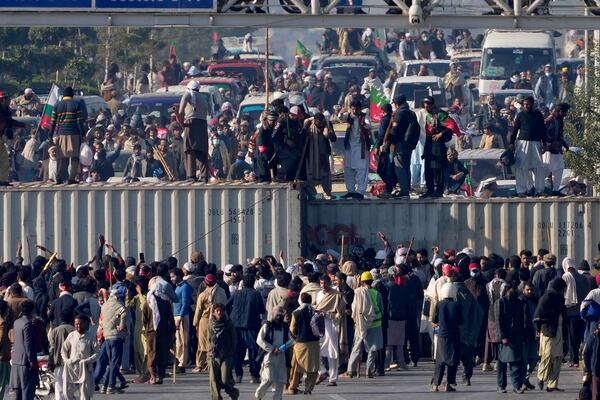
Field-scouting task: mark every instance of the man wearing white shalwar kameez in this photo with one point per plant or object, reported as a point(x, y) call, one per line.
point(357, 143)
point(331, 304)
point(273, 337)
point(79, 352)
point(529, 132)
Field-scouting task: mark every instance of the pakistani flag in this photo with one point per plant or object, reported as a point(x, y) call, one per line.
point(46, 121)
point(304, 53)
point(378, 100)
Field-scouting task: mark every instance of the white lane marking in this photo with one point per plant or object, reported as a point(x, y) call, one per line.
point(336, 397)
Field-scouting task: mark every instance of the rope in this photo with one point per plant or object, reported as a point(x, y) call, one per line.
point(230, 219)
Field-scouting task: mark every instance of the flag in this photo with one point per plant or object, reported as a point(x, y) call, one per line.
point(46, 120)
point(449, 123)
point(378, 100)
point(304, 53)
point(377, 40)
point(468, 184)
point(215, 36)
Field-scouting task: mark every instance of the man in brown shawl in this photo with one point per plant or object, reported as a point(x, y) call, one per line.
point(319, 134)
point(331, 304)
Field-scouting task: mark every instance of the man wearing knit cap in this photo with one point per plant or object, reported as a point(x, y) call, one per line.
point(68, 117)
point(542, 278)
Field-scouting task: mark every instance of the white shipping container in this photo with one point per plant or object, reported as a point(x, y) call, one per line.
point(567, 227)
point(230, 222)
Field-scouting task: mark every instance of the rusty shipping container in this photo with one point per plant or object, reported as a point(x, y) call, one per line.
point(567, 227)
point(230, 222)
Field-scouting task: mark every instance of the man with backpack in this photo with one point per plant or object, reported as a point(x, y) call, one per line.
point(305, 359)
point(400, 140)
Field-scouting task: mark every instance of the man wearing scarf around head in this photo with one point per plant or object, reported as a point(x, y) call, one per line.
point(159, 325)
point(320, 134)
point(331, 305)
point(549, 319)
point(221, 338)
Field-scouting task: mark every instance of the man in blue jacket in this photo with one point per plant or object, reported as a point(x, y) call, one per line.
point(181, 312)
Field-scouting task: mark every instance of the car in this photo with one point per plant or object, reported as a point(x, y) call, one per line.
point(257, 56)
point(571, 64)
point(501, 95)
point(416, 88)
point(210, 93)
point(95, 105)
point(231, 85)
point(315, 62)
point(484, 164)
point(253, 72)
point(254, 104)
point(469, 61)
point(437, 68)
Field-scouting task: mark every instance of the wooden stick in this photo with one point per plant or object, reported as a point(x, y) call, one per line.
point(410, 245)
point(50, 260)
point(342, 252)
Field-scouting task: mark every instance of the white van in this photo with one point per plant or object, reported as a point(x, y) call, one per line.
point(504, 52)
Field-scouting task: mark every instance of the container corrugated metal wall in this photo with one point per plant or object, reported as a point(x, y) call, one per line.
point(505, 226)
point(243, 220)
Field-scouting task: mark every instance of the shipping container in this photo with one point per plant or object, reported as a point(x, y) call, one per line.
point(227, 222)
point(567, 227)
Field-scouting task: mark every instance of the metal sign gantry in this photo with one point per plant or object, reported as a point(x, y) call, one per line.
point(520, 14)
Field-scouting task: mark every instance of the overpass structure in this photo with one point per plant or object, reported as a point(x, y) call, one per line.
point(500, 14)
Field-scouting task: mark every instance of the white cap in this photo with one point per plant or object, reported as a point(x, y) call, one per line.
point(29, 91)
point(130, 270)
point(294, 110)
point(189, 267)
point(193, 85)
point(227, 268)
point(380, 255)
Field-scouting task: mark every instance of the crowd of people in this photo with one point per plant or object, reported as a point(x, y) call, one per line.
point(291, 142)
point(310, 320)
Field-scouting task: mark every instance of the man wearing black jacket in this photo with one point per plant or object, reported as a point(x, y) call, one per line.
point(401, 139)
point(526, 140)
point(246, 305)
point(7, 123)
point(434, 152)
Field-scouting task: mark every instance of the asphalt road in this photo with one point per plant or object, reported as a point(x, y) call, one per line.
point(411, 384)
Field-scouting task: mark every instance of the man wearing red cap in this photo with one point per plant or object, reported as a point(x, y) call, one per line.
point(7, 123)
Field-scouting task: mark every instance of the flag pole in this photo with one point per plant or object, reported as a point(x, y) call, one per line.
point(267, 67)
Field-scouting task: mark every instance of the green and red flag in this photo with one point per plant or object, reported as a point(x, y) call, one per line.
point(303, 53)
point(468, 183)
point(378, 42)
point(46, 120)
point(378, 100)
point(446, 121)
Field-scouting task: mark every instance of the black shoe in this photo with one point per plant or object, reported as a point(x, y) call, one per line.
point(359, 196)
point(123, 385)
point(348, 195)
point(529, 386)
point(554, 389)
point(436, 195)
point(426, 195)
point(259, 10)
point(501, 390)
point(249, 11)
point(519, 391)
point(541, 385)
point(466, 381)
point(180, 370)
point(557, 194)
point(5, 184)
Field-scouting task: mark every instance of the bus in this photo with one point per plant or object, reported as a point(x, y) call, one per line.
point(504, 52)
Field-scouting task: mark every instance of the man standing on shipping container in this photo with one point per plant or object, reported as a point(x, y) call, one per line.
point(526, 140)
point(68, 117)
point(7, 123)
point(194, 110)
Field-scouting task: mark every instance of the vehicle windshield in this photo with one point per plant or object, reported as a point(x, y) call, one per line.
point(418, 91)
point(470, 67)
point(160, 108)
point(501, 63)
point(254, 111)
point(249, 73)
point(341, 74)
point(433, 69)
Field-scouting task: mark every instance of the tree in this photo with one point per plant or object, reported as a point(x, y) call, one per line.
point(582, 127)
